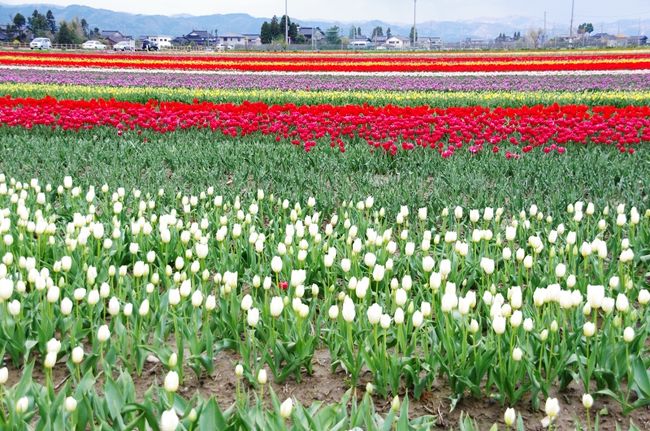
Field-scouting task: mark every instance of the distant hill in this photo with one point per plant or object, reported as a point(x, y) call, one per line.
point(136, 24)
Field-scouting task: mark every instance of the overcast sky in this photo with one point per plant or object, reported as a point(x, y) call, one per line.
point(386, 10)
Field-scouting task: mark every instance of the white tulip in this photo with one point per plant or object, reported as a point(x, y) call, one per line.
point(348, 312)
point(103, 334)
point(171, 381)
point(552, 407)
point(253, 317)
point(70, 404)
point(277, 305)
point(169, 420)
point(499, 325)
point(399, 316)
point(262, 378)
point(374, 314)
point(286, 408)
point(22, 405)
point(417, 319)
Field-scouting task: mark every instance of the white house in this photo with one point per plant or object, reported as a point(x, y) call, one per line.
point(398, 42)
point(253, 39)
point(162, 41)
point(232, 39)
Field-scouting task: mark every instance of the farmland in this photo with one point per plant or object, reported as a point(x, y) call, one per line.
point(325, 241)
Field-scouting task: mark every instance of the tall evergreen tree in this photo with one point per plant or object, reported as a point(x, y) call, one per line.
point(265, 33)
point(51, 21)
point(85, 28)
point(276, 31)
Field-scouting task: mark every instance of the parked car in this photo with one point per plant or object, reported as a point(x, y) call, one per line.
point(41, 43)
point(93, 44)
point(148, 45)
point(125, 45)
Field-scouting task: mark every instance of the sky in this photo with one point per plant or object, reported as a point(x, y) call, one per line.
point(397, 11)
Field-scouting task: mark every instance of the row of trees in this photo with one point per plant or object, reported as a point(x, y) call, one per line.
point(275, 31)
point(45, 25)
point(378, 31)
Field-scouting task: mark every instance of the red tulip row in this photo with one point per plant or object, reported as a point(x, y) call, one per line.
point(509, 131)
point(337, 63)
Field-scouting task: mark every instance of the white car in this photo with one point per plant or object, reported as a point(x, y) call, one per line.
point(125, 45)
point(41, 43)
point(93, 44)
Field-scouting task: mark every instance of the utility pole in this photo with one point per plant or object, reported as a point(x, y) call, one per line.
point(573, 3)
point(286, 23)
point(415, 32)
point(544, 37)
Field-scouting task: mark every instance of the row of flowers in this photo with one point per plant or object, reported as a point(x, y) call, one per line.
point(320, 63)
point(324, 82)
point(504, 305)
point(333, 97)
point(507, 131)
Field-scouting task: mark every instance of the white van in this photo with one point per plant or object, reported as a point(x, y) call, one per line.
point(41, 43)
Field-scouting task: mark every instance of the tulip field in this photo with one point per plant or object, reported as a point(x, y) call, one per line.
point(325, 241)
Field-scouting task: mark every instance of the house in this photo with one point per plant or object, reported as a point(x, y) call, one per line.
point(398, 42)
point(162, 41)
point(232, 39)
point(253, 39)
point(618, 41)
point(196, 37)
point(360, 42)
point(475, 43)
point(114, 36)
point(430, 43)
point(309, 32)
point(379, 40)
point(637, 40)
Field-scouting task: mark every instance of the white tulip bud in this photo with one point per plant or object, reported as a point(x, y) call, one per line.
point(171, 381)
point(103, 334)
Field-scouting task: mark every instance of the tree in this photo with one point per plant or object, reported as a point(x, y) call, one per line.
point(389, 34)
point(283, 27)
point(586, 27)
point(265, 33)
point(17, 29)
point(332, 35)
point(294, 37)
point(85, 27)
point(51, 22)
point(377, 32)
point(276, 31)
point(65, 36)
point(413, 36)
point(38, 24)
point(70, 33)
point(19, 22)
point(352, 34)
point(359, 33)
point(535, 37)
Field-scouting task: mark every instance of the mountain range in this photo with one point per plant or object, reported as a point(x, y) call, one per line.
point(450, 31)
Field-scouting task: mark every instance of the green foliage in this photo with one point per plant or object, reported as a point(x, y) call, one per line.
point(190, 161)
point(38, 24)
point(586, 27)
point(332, 36)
